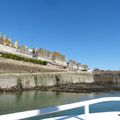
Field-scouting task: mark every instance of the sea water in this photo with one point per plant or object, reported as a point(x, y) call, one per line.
point(30, 100)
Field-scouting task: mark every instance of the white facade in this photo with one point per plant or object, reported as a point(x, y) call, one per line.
point(8, 49)
point(79, 68)
point(63, 63)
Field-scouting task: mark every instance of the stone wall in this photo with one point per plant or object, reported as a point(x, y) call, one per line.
point(14, 66)
point(107, 77)
point(8, 81)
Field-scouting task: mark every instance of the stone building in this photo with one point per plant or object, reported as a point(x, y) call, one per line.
point(49, 55)
point(16, 44)
point(24, 49)
point(53, 57)
point(8, 42)
point(85, 67)
point(72, 64)
point(44, 53)
point(2, 39)
point(35, 53)
point(59, 58)
point(79, 67)
point(5, 41)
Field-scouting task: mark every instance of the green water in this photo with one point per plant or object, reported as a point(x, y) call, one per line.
point(14, 102)
point(29, 100)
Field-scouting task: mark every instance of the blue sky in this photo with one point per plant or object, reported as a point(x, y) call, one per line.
point(85, 30)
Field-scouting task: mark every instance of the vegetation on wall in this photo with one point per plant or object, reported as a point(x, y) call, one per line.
point(19, 84)
point(20, 58)
point(35, 79)
point(57, 80)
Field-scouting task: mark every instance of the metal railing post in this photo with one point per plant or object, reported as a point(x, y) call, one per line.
point(86, 110)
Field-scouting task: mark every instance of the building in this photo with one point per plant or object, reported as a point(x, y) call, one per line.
point(42, 54)
point(54, 58)
point(85, 67)
point(8, 42)
point(59, 59)
point(79, 67)
point(5, 41)
point(72, 65)
point(2, 39)
point(16, 45)
point(24, 49)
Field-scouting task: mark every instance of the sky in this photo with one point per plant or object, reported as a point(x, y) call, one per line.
point(87, 31)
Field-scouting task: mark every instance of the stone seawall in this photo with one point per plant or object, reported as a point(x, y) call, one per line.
point(102, 77)
point(29, 81)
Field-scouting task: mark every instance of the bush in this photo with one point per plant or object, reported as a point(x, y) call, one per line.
point(20, 58)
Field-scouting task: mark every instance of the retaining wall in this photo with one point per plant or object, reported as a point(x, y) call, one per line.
point(43, 79)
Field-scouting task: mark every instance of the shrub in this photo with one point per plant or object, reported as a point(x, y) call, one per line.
point(20, 58)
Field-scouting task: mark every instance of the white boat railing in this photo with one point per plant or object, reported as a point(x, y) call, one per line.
point(50, 110)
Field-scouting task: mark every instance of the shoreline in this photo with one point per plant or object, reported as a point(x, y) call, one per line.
point(68, 88)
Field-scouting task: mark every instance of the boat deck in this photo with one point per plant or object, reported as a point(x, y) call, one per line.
point(92, 116)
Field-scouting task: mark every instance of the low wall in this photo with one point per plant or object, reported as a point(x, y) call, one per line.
point(8, 49)
point(8, 81)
